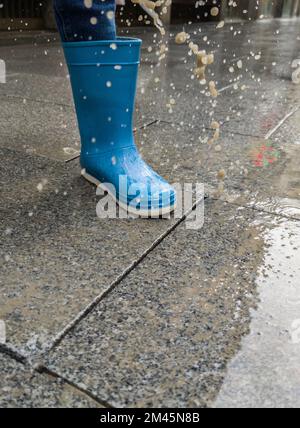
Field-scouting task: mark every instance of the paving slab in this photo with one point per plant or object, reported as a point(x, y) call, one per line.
point(36, 68)
point(265, 92)
point(37, 92)
point(50, 130)
point(254, 111)
point(37, 113)
point(56, 254)
point(39, 128)
point(165, 335)
point(22, 388)
point(259, 173)
point(36, 102)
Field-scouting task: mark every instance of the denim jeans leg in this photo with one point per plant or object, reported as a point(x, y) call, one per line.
point(84, 20)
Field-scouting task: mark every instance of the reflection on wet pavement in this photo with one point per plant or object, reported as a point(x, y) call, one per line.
point(266, 371)
point(285, 184)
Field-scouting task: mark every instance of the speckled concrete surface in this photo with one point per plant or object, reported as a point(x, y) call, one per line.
point(20, 387)
point(48, 130)
point(165, 335)
point(56, 254)
point(210, 317)
point(264, 92)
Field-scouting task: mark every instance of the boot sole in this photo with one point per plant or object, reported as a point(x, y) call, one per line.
point(139, 213)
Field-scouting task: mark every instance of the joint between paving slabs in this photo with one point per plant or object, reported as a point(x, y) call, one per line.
point(37, 365)
point(13, 353)
point(38, 101)
point(46, 371)
point(207, 128)
point(37, 360)
point(252, 207)
point(25, 361)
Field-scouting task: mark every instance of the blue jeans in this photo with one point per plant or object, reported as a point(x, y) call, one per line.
point(84, 20)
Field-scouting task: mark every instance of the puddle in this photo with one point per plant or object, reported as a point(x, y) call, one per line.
point(272, 183)
point(283, 206)
point(266, 371)
point(286, 184)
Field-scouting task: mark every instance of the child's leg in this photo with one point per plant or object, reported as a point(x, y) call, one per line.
point(104, 77)
point(83, 20)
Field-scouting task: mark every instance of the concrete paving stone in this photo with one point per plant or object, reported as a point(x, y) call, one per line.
point(36, 101)
point(255, 110)
point(246, 116)
point(22, 388)
point(240, 44)
point(269, 93)
point(36, 70)
point(39, 128)
point(56, 254)
point(165, 335)
point(51, 130)
point(259, 173)
point(11, 38)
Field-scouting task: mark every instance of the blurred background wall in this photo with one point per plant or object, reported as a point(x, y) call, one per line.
point(37, 14)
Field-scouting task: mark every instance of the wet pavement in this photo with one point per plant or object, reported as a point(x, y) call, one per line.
point(134, 313)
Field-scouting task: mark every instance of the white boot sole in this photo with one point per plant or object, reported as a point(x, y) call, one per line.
point(139, 213)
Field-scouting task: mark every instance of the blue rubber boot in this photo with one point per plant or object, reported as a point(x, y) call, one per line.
point(104, 77)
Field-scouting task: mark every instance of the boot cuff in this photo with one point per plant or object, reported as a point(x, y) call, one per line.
point(122, 51)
